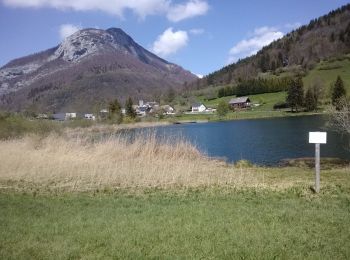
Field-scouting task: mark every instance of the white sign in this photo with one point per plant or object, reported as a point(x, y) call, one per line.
point(317, 137)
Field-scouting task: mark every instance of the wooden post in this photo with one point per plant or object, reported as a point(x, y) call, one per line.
point(317, 168)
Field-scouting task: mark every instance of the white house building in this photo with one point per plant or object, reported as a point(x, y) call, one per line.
point(168, 110)
point(198, 107)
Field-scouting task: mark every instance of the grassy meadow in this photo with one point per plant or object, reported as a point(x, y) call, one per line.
point(327, 72)
point(264, 109)
point(191, 224)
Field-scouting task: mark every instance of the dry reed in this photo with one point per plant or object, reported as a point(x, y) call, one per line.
point(56, 162)
point(81, 163)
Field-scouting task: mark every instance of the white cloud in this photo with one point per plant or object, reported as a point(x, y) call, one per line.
point(261, 37)
point(199, 75)
point(196, 31)
point(67, 30)
point(169, 42)
point(190, 9)
point(142, 8)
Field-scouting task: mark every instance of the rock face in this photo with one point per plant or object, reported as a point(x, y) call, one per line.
point(88, 69)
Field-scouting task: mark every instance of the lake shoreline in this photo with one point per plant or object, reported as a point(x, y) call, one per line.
point(301, 114)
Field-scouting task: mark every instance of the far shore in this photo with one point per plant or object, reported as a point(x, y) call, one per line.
point(110, 128)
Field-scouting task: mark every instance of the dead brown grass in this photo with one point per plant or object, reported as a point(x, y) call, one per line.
point(79, 164)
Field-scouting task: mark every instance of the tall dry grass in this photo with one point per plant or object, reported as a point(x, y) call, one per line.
point(82, 163)
point(56, 162)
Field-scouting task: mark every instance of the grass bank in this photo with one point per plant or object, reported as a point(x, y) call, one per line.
point(193, 224)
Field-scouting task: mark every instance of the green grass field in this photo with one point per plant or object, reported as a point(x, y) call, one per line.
point(194, 224)
point(264, 110)
point(266, 100)
point(327, 73)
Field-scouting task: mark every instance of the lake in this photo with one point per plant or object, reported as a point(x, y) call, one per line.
point(261, 141)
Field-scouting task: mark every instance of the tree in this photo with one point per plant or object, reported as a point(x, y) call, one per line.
point(114, 106)
point(295, 94)
point(318, 89)
point(310, 100)
point(115, 111)
point(129, 110)
point(340, 118)
point(170, 96)
point(222, 108)
point(338, 93)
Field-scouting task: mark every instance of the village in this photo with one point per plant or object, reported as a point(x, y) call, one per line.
point(143, 109)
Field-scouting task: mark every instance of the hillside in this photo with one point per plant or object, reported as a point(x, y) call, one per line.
point(323, 38)
point(88, 69)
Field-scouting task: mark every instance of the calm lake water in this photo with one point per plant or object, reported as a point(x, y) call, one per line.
point(261, 141)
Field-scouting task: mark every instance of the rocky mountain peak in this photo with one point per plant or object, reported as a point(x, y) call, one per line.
point(89, 66)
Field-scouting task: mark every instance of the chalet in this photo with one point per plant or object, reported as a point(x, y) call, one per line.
point(198, 107)
point(241, 102)
point(168, 110)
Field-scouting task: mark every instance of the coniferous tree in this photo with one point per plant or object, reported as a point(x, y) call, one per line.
point(310, 100)
point(295, 94)
point(129, 110)
point(115, 111)
point(114, 106)
point(338, 93)
point(170, 95)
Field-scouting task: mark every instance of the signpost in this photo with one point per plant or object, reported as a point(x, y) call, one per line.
point(317, 138)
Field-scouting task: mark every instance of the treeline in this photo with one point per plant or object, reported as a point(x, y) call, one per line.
point(255, 86)
point(323, 38)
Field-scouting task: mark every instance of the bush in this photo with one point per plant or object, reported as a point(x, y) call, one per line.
point(280, 105)
point(13, 125)
point(243, 164)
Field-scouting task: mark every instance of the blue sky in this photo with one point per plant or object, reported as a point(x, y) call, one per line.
point(200, 35)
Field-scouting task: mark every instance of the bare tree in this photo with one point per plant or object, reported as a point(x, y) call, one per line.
point(340, 119)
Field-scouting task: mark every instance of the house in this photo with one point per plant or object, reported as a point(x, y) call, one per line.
point(198, 107)
point(71, 115)
point(63, 116)
point(59, 116)
point(89, 116)
point(142, 111)
point(168, 110)
point(240, 102)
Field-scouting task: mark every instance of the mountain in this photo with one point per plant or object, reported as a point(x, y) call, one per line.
point(296, 53)
point(88, 69)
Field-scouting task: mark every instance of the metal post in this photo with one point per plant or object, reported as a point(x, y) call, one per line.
point(317, 168)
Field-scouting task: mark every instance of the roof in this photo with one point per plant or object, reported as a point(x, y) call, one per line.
point(59, 116)
point(168, 108)
point(197, 104)
point(239, 100)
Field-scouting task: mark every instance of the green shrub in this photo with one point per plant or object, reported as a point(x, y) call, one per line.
point(15, 125)
point(243, 163)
